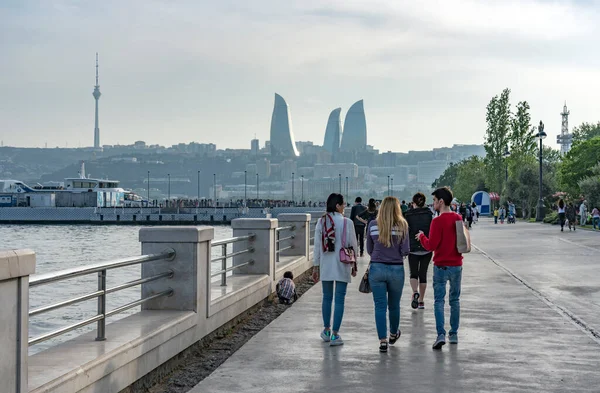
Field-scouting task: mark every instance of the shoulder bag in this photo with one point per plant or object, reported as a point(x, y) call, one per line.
point(463, 244)
point(365, 286)
point(347, 254)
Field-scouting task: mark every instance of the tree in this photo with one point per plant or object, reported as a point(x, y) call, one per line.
point(522, 135)
point(578, 163)
point(470, 178)
point(447, 178)
point(585, 131)
point(498, 118)
point(590, 187)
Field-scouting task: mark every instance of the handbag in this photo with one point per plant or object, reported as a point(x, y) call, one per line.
point(365, 286)
point(347, 254)
point(463, 244)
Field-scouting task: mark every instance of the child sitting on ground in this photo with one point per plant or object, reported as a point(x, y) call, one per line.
point(286, 289)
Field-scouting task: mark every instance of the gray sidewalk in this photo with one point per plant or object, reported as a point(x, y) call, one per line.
point(510, 341)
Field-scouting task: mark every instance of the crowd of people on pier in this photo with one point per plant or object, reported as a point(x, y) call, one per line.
point(392, 230)
point(248, 203)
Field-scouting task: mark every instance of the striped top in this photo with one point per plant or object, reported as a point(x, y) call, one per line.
point(393, 255)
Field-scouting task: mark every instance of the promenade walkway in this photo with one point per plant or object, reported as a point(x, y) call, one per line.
point(529, 323)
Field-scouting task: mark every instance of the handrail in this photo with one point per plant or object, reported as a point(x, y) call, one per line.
point(233, 240)
point(250, 262)
point(45, 278)
point(286, 228)
point(233, 254)
point(97, 318)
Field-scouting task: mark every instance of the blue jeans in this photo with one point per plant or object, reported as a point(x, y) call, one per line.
point(440, 276)
point(387, 282)
point(340, 297)
point(596, 222)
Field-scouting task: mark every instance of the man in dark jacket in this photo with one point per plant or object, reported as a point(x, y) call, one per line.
point(359, 227)
point(419, 219)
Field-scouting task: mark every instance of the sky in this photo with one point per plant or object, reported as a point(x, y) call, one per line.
point(206, 71)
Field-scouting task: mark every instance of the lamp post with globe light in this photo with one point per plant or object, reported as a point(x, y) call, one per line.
point(540, 205)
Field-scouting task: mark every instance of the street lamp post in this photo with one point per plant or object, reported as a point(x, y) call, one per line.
point(148, 188)
point(340, 176)
point(257, 186)
point(198, 204)
point(392, 187)
point(245, 186)
point(506, 154)
point(540, 205)
point(293, 186)
point(215, 190)
point(347, 195)
point(388, 185)
point(169, 188)
point(302, 187)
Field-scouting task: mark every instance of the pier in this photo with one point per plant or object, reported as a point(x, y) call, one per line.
point(529, 317)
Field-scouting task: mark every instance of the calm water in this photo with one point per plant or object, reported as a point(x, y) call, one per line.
point(63, 246)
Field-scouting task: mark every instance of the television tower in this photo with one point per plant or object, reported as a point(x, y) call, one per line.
point(96, 95)
point(565, 139)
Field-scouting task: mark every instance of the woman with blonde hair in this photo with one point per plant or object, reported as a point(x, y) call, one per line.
point(387, 244)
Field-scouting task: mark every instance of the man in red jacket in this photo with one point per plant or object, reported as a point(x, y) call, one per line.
point(447, 263)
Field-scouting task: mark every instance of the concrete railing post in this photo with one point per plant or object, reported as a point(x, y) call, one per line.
point(15, 268)
point(191, 267)
point(301, 240)
point(263, 244)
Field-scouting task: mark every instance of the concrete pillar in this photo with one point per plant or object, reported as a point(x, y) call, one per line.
point(263, 244)
point(191, 267)
point(301, 240)
point(15, 268)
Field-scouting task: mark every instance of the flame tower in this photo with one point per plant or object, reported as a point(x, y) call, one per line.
point(96, 95)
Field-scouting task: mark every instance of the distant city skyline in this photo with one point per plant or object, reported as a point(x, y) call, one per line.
point(425, 70)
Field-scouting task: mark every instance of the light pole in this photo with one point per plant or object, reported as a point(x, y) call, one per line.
point(388, 185)
point(293, 186)
point(540, 205)
point(340, 176)
point(148, 188)
point(392, 187)
point(245, 186)
point(302, 187)
point(169, 192)
point(257, 186)
point(198, 204)
point(214, 189)
point(347, 196)
point(506, 154)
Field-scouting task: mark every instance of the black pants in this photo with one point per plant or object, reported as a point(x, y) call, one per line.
point(360, 237)
point(418, 266)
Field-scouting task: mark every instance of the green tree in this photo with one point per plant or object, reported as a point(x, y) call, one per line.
point(447, 178)
point(498, 118)
point(577, 164)
point(585, 131)
point(470, 178)
point(522, 135)
point(590, 187)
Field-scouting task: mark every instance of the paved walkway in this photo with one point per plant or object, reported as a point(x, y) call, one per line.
point(514, 336)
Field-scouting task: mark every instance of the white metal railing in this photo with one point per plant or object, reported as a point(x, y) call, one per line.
point(225, 256)
point(102, 313)
point(279, 240)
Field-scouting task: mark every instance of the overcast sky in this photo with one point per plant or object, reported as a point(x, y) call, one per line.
point(206, 71)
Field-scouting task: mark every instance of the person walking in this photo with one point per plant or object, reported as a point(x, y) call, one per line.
point(561, 214)
point(596, 218)
point(447, 264)
point(328, 268)
point(496, 213)
point(359, 226)
point(582, 214)
point(419, 219)
point(571, 216)
point(502, 213)
point(404, 207)
point(370, 214)
point(387, 244)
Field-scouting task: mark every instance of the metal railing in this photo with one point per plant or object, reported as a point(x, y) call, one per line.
point(225, 256)
point(278, 240)
point(101, 269)
point(313, 228)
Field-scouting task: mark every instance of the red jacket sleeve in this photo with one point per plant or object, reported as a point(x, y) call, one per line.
point(435, 236)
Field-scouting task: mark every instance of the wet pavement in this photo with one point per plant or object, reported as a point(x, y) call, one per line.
point(529, 312)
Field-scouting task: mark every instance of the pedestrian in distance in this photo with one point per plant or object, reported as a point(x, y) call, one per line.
point(561, 214)
point(496, 214)
point(502, 213)
point(370, 214)
point(596, 218)
point(571, 216)
point(582, 214)
point(359, 226)
point(447, 261)
point(328, 267)
point(387, 244)
point(404, 207)
point(419, 219)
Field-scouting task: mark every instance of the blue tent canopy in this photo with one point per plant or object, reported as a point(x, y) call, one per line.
point(482, 200)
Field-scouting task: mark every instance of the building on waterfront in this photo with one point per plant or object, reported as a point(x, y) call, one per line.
point(428, 171)
point(282, 135)
point(96, 95)
point(254, 147)
point(333, 132)
point(354, 137)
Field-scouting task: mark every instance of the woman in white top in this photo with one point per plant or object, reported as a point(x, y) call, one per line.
point(561, 214)
point(334, 274)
